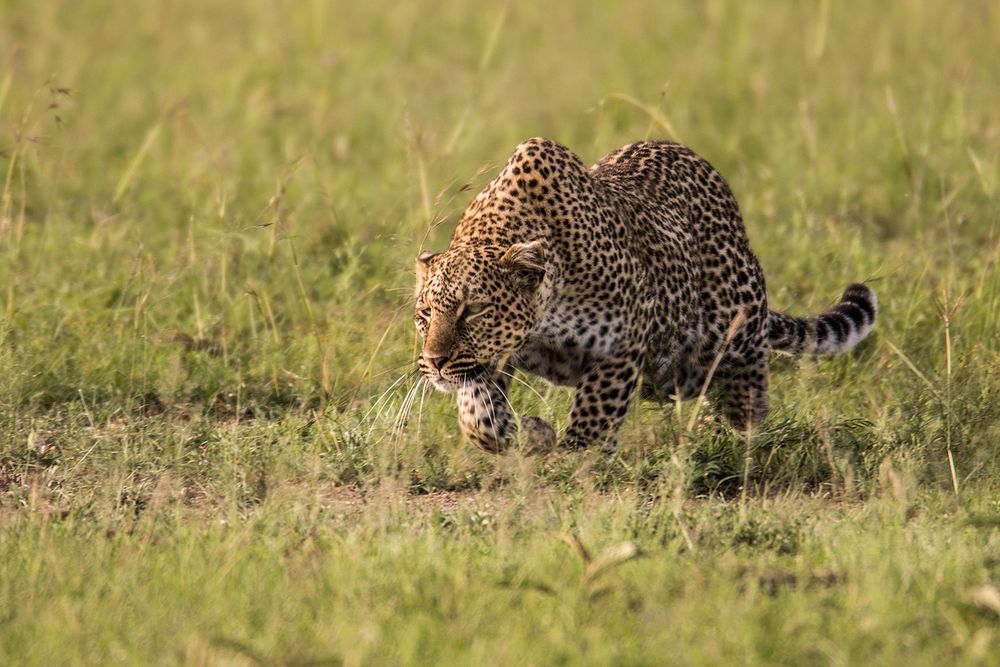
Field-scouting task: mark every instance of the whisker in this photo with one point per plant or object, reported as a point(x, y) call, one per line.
point(421, 383)
point(385, 395)
point(510, 406)
point(394, 425)
point(395, 383)
point(400, 422)
point(530, 388)
point(392, 369)
point(384, 403)
point(475, 406)
point(491, 411)
point(413, 399)
point(503, 394)
point(420, 409)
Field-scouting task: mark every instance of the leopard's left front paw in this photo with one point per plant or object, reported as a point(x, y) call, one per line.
point(537, 435)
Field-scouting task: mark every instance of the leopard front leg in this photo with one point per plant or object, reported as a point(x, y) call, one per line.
point(484, 414)
point(601, 400)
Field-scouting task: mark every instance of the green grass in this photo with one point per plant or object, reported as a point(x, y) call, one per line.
point(208, 218)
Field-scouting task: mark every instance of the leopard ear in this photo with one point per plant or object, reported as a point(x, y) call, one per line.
point(526, 263)
point(424, 260)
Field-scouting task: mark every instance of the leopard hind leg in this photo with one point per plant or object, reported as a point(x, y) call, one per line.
point(739, 393)
point(674, 375)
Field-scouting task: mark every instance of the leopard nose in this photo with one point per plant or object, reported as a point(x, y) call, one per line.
point(437, 362)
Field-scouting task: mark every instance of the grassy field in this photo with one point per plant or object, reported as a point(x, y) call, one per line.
point(208, 221)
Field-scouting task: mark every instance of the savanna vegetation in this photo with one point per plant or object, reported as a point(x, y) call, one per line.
point(208, 219)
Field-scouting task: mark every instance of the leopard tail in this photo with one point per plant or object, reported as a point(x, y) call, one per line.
point(832, 332)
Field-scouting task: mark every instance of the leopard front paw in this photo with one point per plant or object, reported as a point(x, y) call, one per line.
point(537, 435)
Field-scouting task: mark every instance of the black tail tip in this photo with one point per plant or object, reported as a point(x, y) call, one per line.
point(862, 296)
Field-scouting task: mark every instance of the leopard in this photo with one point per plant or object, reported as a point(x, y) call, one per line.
point(633, 277)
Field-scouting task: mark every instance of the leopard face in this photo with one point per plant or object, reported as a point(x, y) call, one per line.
point(475, 307)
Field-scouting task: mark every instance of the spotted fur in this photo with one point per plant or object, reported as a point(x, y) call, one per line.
point(638, 267)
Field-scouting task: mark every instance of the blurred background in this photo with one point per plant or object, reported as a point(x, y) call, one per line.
point(176, 167)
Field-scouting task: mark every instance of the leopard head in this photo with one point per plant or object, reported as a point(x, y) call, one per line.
point(475, 307)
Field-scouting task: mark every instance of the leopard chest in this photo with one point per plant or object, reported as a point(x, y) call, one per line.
point(564, 344)
point(559, 362)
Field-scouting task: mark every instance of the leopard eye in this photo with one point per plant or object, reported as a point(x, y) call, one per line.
point(424, 314)
point(474, 310)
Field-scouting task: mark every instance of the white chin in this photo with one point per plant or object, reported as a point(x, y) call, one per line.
point(446, 386)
